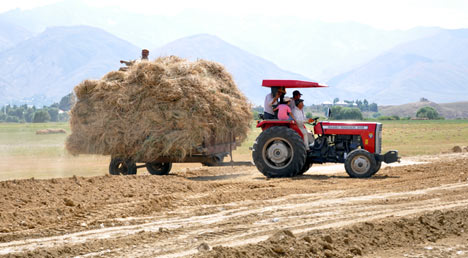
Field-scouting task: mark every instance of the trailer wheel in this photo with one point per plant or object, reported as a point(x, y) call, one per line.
point(279, 152)
point(378, 164)
point(119, 166)
point(360, 164)
point(155, 168)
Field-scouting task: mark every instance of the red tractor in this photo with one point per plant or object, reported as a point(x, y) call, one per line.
point(279, 151)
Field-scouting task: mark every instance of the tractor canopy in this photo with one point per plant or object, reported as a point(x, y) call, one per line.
point(292, 84)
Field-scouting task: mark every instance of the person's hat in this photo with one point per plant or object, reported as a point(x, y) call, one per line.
point(145, 51)
point(296, 92)
point(298, 101)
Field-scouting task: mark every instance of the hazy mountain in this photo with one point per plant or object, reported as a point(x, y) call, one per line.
point(48, 66)
point(448, 110)
point(247, 69)
point(435, 67)
point(11, 34)
point(316, 49)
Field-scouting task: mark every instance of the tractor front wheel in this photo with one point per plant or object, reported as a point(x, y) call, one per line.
point(119, 166)
point(378, 164)
point(360, 164)
point(279, 152)
point(305, 168)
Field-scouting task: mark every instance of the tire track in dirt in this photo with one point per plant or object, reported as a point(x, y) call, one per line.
point(246, 224)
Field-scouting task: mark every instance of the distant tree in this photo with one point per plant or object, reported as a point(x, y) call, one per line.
point(259, 109)
point(41, 116)
point(373, 107)
point(29, 115)
point(340, 113)
point(67, 102)
point(365, 105)
point(309, 115)
point(427, 112)
point(255, 114)
point(359, 104)
point(53, 113)
point(63, 117)
point(12, 119)
point(423, 100)
point(336, 100)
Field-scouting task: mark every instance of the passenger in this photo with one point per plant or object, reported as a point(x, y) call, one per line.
point(271, 99)
point(284, 111)
point(301, 120)
point(296, 96)
point(282, 93)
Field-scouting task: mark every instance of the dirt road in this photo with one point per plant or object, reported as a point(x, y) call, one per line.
point(194, 209)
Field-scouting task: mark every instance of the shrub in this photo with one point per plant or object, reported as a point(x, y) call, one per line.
point(427, 112)
point(41, 116)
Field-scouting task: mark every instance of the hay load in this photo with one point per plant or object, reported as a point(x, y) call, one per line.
point(165, 108)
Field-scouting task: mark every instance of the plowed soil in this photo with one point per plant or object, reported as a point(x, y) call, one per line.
point(419, 209)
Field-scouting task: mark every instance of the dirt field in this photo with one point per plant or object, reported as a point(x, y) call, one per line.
point(418, 209)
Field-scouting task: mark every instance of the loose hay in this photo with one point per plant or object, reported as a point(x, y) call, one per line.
point(51, 131)
point(165, 108)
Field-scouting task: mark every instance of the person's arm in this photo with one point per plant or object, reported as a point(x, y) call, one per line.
point(291, 114)
point(127, 63)
point(275, 99)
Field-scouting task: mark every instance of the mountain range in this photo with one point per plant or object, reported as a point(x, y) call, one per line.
point(318, 50)
point(435, 67)
point(47, 66)
point(45, 51)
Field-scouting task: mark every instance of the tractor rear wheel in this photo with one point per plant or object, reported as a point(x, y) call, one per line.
point(360, 164)
point(279, 152)
point(155, 168)
point(119, 166)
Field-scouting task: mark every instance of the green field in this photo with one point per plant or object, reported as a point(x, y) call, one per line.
point(23, 154)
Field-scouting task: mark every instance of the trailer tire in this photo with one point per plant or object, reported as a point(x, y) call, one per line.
point(360, 164)
point(279, 151)
point(155, 168)
point(119, 166)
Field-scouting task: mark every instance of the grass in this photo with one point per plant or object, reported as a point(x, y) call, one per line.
point(23, 154)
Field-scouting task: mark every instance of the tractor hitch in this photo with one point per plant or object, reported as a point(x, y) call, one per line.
point(389, 157)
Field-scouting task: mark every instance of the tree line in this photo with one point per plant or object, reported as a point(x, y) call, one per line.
point(57, 112)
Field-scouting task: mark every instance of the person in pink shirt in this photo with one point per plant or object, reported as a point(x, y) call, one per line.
point(284, 111)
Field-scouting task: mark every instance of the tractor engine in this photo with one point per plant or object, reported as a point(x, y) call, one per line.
point(334, 148)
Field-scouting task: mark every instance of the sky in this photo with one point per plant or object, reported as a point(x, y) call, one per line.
point(383, 14)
